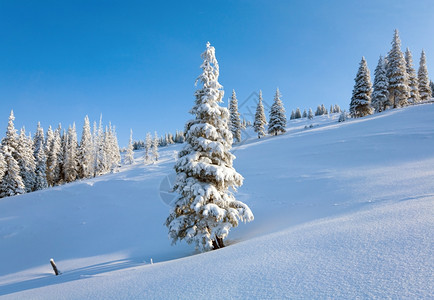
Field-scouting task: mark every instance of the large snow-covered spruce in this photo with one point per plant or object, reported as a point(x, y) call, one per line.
point(206, 209)
point(360, 105)
point(399, 91)
point(277, 122)
point(380, 96)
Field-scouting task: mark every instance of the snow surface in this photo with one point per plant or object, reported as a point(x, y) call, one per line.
point(342, 210)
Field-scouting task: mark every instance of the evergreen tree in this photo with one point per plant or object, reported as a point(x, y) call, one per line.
point(113, 149)
point(297, 113)
point(235, 123)
point(260, 119)
point(397, 74)
point(361, 100)
point(100, 165)
point(292, 117)
point(380, 96)
point(277, 121)
point(431, 85)
point(11, 138)
point(2, 167)
point(304, 114)
point(337, 109)
point(54, 159)
point(40, 160)
point(331, 109)
point(323, 110)
point(205, 209)
point(26, 161)
point(48, 141)
point(424, 88)
point(155, 147)
point(319, 111)
point(85, 152)
point(310, 114)
point(11, 183)
point(129, 155)
point(70, 168)
point(148, 145)
point(413, 82)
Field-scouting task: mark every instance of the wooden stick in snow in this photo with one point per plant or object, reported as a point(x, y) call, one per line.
point(53, 264)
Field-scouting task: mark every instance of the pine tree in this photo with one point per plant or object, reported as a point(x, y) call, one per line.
point(337, 109)
point(331, 109)
point(129, 155)
point(310, 114)
point(235, 123)
point(54, 159)
point(71, 162)
point(413, 82)
point(318, 111)
point(11, 183)
point(11, 138)
point(40, 160)
point(205, 209)
point(260, 119)
point(360, 105)
point(85, 152)
point(380, 95)
point(26, 161)
point(113, 149)
point(100, 165)
point(431, 85)
point(292, 117)
point(304, 114)
point(323, 110)
point(297, 113)
point(424, 88)
point(155, 147)
point(277, 121)
point(2, 167)
point(148, 145)
point(397, 74)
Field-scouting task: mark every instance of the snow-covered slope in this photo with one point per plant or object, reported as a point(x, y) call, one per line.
point(342, 210)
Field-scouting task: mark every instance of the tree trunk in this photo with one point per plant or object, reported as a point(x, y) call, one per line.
point(217, 243)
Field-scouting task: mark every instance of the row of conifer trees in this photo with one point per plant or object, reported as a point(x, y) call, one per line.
point(396, 83)
point(29, 164)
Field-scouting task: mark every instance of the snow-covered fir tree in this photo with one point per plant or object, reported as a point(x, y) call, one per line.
point(431, 85)
point(100, 161)
point(380, 95)
point(324, 109)
point(413, 83)
point(85, 152)
point(260, 119)
point(277, 122)
point(343, 116)
point(11, 183)
point(310, 114)
point(48, 140)
point(54, 159)
point(422, 74)
point(292, 117)
point(26, 160)
point(114, 153)
point(235, 122)
point(304, 114)
point(11, 138)
point(397, 74)
point(129, 155)
point(336, 109)
point(40, 159)
point(360, 105)
point(148, 145)
point(206, 209)
point(297, 113)
point(70, 164)
point(2, 166)
point(154, 147)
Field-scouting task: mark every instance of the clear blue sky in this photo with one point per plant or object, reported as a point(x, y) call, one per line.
point(136, 61)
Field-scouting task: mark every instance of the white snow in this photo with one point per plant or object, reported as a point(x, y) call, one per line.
point(342, 210)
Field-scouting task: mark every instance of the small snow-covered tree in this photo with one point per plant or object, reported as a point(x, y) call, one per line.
point(85, 152)
point(292, 117)
point(380, 95)
point(11, 183)
point(360, 105)
point(397, 74)
point(11, 138)
point(206, 209)
point(297, 113)
point(154, 147)
point(40, 160)
point(129, 155)
point(70, 167)
point(260, 119)
point(277, 122)
point(324, 109)
point(54, 159)
point(235, 122)
point(304, 114)
point(343, 116)
point(310, 114)
point(337, 109)
point(148, 145)
point(26, 160)
point(431, 85)
point(413, 83)
point(424, 88)
point(113, 152)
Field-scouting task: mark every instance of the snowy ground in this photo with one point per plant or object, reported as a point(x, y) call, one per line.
point(342, 210)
